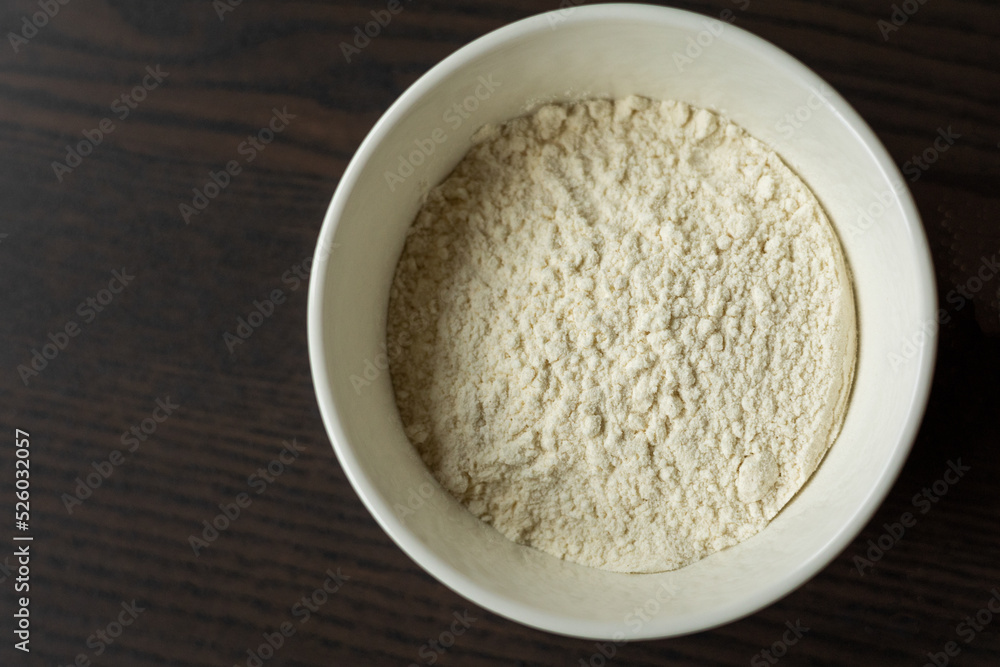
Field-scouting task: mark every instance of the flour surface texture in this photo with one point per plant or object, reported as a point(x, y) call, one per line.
point(641, 334)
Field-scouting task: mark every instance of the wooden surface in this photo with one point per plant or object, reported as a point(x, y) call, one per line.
point(161, 338)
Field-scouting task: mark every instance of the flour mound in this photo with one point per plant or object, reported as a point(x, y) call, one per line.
point(642, 333)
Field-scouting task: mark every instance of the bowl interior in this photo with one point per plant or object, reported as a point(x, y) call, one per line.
point(612, 51)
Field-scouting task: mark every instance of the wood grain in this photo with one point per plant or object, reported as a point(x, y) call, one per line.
point(163, 336)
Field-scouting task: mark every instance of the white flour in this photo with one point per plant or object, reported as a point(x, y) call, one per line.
point(644, 339)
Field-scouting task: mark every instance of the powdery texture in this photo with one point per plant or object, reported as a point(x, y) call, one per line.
point(643, 338)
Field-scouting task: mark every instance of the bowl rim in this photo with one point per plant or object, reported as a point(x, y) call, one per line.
point(509, 607)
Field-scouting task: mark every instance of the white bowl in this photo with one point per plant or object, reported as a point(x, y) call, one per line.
point(613, 51)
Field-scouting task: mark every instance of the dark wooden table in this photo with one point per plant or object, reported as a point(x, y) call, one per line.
point(144, 418)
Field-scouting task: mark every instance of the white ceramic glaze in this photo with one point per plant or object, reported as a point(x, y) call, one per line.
point(612, 51)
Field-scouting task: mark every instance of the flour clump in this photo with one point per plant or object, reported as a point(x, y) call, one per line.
point(642, 333)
